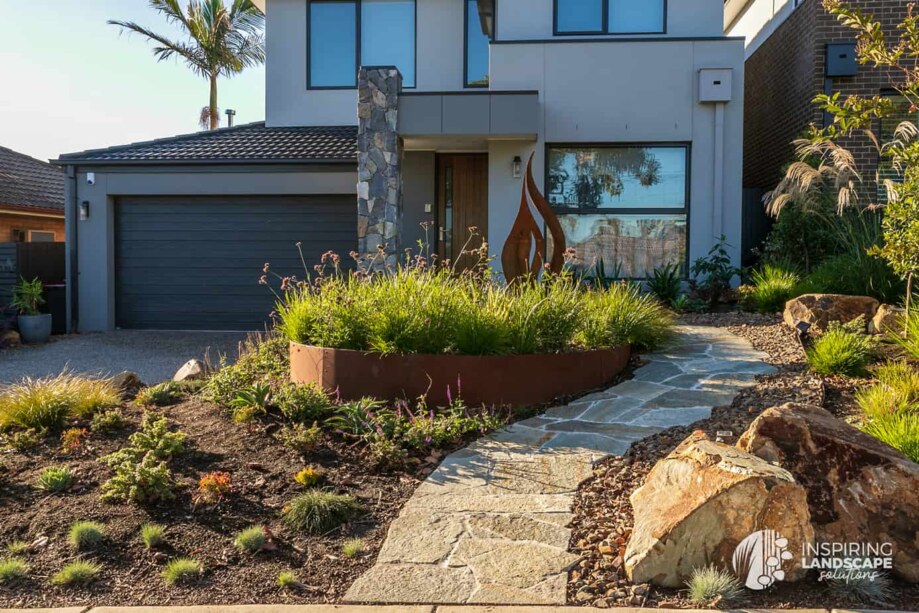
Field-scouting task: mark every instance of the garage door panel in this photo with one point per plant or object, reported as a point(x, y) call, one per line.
point(194, 263)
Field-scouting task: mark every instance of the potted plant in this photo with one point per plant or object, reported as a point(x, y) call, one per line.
point(34, 326)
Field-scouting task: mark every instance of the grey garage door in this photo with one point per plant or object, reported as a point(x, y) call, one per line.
point(194, 263)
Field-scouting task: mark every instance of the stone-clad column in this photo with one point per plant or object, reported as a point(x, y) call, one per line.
point(379, 163)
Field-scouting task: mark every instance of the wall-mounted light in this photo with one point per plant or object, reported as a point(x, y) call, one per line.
point(518, 167)
point(84, 210)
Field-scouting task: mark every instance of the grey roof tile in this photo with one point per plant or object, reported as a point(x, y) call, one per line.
point(29, 183)
point(247, 143)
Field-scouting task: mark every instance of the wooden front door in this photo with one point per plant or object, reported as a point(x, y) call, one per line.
point(462, 203)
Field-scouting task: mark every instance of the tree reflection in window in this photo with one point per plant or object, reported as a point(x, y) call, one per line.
point(613, 177)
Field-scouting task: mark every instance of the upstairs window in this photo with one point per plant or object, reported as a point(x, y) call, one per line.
point(610, 16)
point(347, 34)
point(476, 48)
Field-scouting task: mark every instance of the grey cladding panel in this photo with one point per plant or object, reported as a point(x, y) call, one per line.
point(194, 262)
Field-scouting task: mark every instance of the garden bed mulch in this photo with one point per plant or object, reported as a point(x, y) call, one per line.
point(603, 515)
point(262, 472)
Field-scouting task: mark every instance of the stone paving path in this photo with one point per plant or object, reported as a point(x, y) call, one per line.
point(489, 526)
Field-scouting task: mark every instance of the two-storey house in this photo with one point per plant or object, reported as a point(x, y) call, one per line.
point(394, 122)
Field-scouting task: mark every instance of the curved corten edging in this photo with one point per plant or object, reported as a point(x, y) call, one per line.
point(515, 380)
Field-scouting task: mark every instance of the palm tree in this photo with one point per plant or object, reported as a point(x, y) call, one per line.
point(222, 41)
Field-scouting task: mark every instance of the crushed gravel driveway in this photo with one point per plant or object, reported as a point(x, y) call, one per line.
point(154, 355)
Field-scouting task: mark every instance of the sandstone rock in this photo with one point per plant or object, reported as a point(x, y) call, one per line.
point(701, 501)
point(859, 490)
point(128, 383)
point(192, 370)
point(888, 318)
point(10, 339)
point(820, 309)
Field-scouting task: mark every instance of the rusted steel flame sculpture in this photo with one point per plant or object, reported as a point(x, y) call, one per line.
point(515, 259)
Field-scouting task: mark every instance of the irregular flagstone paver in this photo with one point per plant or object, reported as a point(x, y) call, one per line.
point(490, 525)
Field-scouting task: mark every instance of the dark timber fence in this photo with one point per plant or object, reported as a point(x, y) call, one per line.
point(44, 261)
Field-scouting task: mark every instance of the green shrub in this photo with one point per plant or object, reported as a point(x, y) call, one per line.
point(910, 341)
point(152, 535)
point(772, 287)
point(12, 570)
point(104, 422)
point(301, 439)
point(148, 480)
point(801, 237)
point(854, 275)
point(18, 548)
point(251, 402)
point(303, 404)
point(621, 314)
point(317, 511)
point(182, 570)
point(287, 580)
point(250, 540)
point(160, 395)
point(666, 282)
point(840, 352)
point(47, 403)
point(25, 440)
point(141, 471)
point(85, 534)
point(867, 588)
point(78, 572)
point(899, 430)
point(897, 390)
point(433, 311)
point(55, 479)
point(260, 360)
point(710, 583)
point(352, 548)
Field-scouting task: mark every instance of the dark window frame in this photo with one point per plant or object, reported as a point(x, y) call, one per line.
point(604, 30)
point(466, 84)
point(357, 46)
point(687, 207)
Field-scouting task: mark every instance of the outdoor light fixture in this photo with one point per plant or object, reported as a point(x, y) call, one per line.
point(518, 167)
point(84, 210)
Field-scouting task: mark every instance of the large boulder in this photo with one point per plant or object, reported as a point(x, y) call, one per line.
point(820, 309)
point(701, 501)
point(859, 490)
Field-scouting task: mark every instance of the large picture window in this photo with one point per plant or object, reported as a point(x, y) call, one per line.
point(346, 34)
point(476, 48)
point(623, 208)
point(610, 16)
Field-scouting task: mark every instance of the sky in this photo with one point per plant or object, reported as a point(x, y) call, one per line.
point(70, 82)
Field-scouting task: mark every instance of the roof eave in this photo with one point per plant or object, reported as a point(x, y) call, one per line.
point(201, 162)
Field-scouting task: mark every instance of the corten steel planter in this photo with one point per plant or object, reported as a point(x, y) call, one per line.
point(515, 380)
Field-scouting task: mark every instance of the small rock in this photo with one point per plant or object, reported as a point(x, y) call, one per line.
point(128, 383)
point(887, 319)
point(10, 339)
point(192, 370)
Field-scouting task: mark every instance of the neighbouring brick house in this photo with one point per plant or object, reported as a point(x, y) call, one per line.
point(794, 51)
point(31, 199)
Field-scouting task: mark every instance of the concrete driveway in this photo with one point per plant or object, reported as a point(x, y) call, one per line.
point(154, 355)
